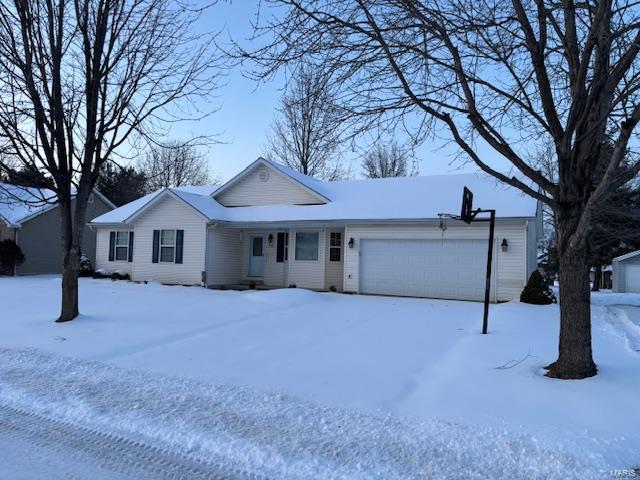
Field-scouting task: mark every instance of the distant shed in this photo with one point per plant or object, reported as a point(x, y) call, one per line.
point(626, 273)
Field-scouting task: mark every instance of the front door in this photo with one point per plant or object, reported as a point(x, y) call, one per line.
point(256, 255)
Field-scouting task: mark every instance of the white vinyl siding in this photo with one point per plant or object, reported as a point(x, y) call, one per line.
point(170, 214)
point(278, 189)
point(224, 256)
point(102, 253)
point(532, 247)
point(511, 267)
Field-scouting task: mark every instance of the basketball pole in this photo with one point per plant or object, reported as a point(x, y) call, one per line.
point(487, 288)
point(468, 215)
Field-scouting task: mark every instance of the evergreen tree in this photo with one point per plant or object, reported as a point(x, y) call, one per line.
point(121, 185)
point(537, 291)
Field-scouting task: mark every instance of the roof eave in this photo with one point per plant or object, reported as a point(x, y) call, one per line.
point(352, 221)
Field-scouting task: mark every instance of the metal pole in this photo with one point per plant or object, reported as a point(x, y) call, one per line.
point(487, 288)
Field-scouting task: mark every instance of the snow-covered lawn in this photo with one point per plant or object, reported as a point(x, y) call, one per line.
point(414, 366)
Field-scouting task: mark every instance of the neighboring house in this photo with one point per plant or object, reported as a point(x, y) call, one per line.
point(606, 277)
point(271, 225)
point(626, 273)
point(27, 217)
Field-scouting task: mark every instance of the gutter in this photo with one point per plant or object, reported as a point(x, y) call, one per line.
point(377, 221)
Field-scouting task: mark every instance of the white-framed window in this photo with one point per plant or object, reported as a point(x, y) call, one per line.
point(121, 247)
point(167, 246)
point(335, 246)
point(307, 245)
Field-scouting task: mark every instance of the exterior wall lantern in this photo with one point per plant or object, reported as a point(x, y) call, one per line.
point(270, 239)
point(504, 245)
point(351, 242)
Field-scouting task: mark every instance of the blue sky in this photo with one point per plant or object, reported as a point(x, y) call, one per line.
point(246, 110)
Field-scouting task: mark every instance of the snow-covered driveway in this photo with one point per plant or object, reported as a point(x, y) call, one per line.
point(365, 380)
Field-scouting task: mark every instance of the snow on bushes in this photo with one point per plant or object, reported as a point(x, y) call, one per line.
point(537, 291)
point(10, 256)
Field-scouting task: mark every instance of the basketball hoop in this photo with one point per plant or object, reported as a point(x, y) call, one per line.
point(466, 213)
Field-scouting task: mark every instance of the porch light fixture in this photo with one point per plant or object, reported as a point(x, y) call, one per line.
point(351, 242)
point(504, 245)
point(270, 239)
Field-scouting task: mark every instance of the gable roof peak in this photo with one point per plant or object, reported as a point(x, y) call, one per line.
point(306, 182)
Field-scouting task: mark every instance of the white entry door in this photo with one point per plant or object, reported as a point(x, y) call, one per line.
point(450, 268)
point(256, 255)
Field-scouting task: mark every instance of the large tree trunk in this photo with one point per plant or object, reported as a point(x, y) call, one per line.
point(597, 278)
point(72, 224)
point(70, 269)
point(575, 358)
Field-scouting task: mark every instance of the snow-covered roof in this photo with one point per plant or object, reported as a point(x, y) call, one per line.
point(193, 195)
point(388, 199)
point(18, 204)
point(627, 256)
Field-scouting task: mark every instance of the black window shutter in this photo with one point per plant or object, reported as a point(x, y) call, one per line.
point(179, 243)
point(112, 246)
point(131, 246)
point(280, 248)
point(156, 245)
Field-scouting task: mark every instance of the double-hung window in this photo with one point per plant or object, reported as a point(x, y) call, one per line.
point(120, 246)
point(335, 246)
point(307, 245)
point(167, 245)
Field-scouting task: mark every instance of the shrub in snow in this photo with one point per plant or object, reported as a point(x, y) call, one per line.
point(119, 276)
point(537, 291)
point(10, 256)
point(86, 268)
point(100, 273)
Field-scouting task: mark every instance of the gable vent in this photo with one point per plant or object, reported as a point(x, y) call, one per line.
point(263, 175)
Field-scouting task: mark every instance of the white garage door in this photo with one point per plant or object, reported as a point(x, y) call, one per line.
point(632, 278)
point(424, 268)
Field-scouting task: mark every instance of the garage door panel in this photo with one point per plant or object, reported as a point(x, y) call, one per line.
point(632, 278)
point(423, 268)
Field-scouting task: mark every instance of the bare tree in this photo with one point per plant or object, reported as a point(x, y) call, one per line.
point(173, 165)
point(388, 161)
point(511, 74)
point(305, 134)
point(82, 81)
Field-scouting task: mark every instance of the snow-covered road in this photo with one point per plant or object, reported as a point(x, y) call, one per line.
point(35, 447)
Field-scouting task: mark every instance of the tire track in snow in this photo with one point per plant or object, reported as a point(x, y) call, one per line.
point(103, 453)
